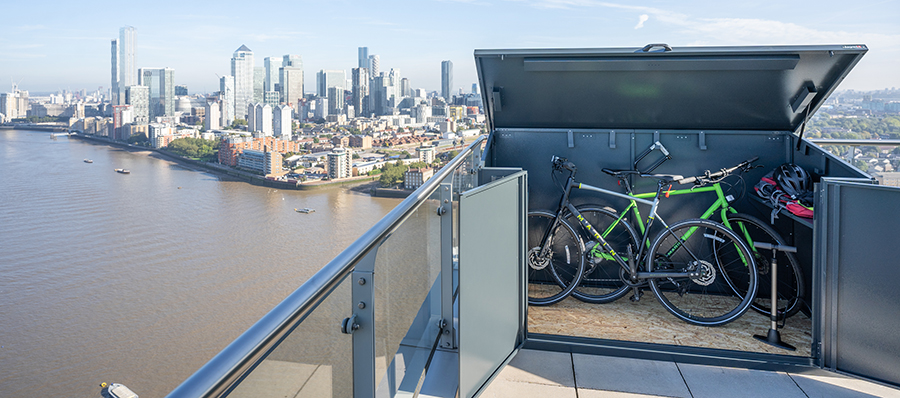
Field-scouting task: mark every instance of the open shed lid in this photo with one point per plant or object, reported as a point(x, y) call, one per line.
point(661, 87)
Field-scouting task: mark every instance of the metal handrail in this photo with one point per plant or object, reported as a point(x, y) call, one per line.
point(228, 367)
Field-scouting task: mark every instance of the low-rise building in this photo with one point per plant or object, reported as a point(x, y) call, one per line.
point(414, 178)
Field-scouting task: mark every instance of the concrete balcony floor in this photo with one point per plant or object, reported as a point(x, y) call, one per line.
point(548, 374)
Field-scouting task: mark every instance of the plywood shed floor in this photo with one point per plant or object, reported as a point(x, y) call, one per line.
point(647, 321)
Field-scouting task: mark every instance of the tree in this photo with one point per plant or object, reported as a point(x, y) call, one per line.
point(196, 148)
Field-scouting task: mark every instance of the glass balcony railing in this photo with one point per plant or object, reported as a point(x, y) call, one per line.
point(369, 322)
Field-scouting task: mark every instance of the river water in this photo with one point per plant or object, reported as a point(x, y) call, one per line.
point(140, 279)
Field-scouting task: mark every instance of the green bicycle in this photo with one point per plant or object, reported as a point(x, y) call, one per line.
point(700, 283)
point(604, 282)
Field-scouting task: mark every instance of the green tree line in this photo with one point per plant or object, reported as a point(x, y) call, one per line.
point(196, 148)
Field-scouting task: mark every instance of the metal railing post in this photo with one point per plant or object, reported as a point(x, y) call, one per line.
point(448, 338)
point(363, 307)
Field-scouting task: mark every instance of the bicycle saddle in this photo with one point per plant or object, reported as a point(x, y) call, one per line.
point(620, 173)
point(663, 178)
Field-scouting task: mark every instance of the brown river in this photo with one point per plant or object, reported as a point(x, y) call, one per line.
point(141, 278)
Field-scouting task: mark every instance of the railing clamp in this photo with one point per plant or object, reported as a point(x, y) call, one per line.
point(349, 325)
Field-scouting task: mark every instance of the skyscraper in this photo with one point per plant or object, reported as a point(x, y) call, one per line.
point(446, 80)
point(291, 85)
point(363, 57)
point(360, 81)
point(271, 65)
point(373, 66)
point(291, 75)
point(226, 95)
point(335, 100)
point(404, 88)
point(292, 60)
point(114, 83)
point(242, 71)
point(161, 83)
point(127, 65)
point(259, 83)
point(139, 99)
point(329, 78)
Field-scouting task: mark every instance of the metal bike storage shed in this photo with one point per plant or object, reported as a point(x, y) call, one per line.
point(712, 107)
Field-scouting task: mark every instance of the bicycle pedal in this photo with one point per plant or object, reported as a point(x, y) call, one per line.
point(636, 296)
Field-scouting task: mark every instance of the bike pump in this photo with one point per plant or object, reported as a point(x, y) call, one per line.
point(774, 337)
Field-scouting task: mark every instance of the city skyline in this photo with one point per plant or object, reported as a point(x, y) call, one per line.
point(199, 40)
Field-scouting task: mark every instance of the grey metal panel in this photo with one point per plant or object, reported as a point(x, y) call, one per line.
point(855, 235)
point(727, 88)
point(491, 296)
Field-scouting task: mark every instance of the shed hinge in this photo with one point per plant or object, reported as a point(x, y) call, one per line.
point(571, 139)
point(702, 141)
point(612, 139)
point(349, 325)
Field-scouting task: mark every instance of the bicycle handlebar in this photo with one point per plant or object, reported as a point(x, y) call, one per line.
point(711, 176)
point(562, 163)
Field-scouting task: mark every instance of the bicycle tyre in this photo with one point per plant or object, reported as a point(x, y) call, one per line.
point(705, 300)
point(552, 279)
point(790, 276)
point(601, 282)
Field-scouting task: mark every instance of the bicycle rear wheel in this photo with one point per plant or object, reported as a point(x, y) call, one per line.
point(602, 282)
point(790, 277)
point(552, 276)
point(706, 299)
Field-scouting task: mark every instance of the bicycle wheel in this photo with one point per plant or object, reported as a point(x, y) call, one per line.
point(553, 276)
point(790, 284)
point(706, 299)
point(602, 282)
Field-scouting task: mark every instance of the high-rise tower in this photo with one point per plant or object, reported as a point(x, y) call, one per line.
point(271, 66)
point(373, 66)
point(292, 80)
point(242, 70)
point(363, 57)
point(360, 102)
point(226, 95)
point(329, 78)
point(446, 80)
point(161, 83)
point(127, 66)
point(114, 83)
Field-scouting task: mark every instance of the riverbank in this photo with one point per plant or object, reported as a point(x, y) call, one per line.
point(37, 127)
point(254, 179)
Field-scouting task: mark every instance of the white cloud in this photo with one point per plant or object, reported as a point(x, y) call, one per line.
point(643, 18)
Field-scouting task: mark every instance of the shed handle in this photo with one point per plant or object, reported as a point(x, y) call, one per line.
point(649, 47)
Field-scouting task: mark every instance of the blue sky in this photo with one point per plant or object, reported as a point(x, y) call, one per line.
point(46, 46)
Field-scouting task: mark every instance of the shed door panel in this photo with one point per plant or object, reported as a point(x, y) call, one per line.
point(857, 237)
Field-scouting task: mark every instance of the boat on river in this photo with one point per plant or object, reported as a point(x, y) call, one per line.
point(116, 390)
point(123, 171)
point(305, 210)
point(88, 161)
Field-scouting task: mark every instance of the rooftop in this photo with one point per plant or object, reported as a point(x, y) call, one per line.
point(548, 374)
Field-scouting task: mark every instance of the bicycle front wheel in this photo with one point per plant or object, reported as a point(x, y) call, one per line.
point(553, 274)
point(706, 299)
point(790, 286)
point(602, 282)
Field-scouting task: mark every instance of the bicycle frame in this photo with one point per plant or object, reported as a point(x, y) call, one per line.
point(721, 204)
point(629, 265)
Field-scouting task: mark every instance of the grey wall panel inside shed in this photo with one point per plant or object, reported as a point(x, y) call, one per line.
point(531, 149)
